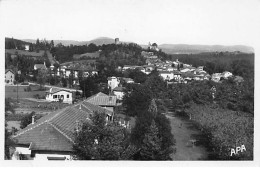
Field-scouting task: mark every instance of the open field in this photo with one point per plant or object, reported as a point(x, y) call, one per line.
point(11, 92)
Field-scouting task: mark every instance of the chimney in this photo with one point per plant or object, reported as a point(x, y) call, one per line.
point(80, 106)
point(33, 119)
point(77, 126)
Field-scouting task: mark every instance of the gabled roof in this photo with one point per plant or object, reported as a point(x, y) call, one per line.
point(54, 131)
point(121, 89)
point(88, 107)
point(55, 90)
point(101, 99)
point(165, 72)
point(6, 70)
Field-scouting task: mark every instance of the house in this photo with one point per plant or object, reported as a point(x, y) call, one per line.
point(113, 82)
point(52, 136)
point(9, 77)
point(26, 47)
point(216, 77)
point(227, 74)
point(200, 68)
point(40, 66)
point(103, 100)
point(128, 80)
point(119, 92)
point(185, 70)
point(57, 94)
point(177, 76)
point(166, 75)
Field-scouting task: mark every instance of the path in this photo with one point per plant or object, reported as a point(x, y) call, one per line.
point(184, 131)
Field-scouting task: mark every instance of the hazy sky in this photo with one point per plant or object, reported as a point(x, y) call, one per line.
point(226, 22)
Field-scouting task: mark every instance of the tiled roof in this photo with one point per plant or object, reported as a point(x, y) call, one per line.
point(6, 70)
point(88, 107)
point(55, 90)
point(54, 131)
point(118, 89)
point(101, 99)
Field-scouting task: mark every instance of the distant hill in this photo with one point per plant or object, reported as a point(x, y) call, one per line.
point(97, 41)
point(184, 48)
point(167, 48)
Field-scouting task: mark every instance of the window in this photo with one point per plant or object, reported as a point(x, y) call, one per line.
point(54, 96)
point(68, 96)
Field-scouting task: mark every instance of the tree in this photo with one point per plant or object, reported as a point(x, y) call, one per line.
point(89, 86)
point(151, 147)
point(100, 140)
point(9, 143)
point(137, 99)
point(137, 76)
point(153, 108)
point(51, 44)
point(26, 120)
point(41, 78)
point(64, 82)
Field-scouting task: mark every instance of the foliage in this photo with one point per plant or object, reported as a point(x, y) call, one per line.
point(151, 147)
point(100, 141)
point(41, 77)
point(226, 129)
point(26, 120)
point(136, 99)
point(8, 105)
point(156, 85)
point(9, 143)
point(136, 75)
point(89, 86)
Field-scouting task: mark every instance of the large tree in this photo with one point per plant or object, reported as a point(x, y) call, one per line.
point(100, 140)
point(151, 147)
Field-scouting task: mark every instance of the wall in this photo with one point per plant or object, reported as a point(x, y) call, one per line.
point(119, 95)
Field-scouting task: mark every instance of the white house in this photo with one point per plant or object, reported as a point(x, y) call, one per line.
point(56, 94)
point(27, 47)
point(227, 74)
point(216, 77)
point(113, 82)
point(166, 75)
point(119, 92)
point(9, 77)
point(40, 66)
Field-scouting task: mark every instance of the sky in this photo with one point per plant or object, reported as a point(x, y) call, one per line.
point(208, 22)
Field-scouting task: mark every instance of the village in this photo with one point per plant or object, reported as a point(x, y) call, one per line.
point(61, 107)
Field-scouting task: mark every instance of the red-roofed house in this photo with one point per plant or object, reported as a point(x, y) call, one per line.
point(51, 137)
point(103, 100)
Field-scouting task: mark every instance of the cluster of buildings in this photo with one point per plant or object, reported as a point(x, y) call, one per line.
point(52, 136)
point(115, 85)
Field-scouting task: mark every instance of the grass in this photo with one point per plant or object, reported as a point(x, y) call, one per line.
point(11, 92)
point(183, 134)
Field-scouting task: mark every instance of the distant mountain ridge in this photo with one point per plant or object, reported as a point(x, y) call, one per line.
point(185, 48)
point(167, 48)
point(97, 41)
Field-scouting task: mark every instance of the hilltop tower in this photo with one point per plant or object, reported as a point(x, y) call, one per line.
point(116, 40)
